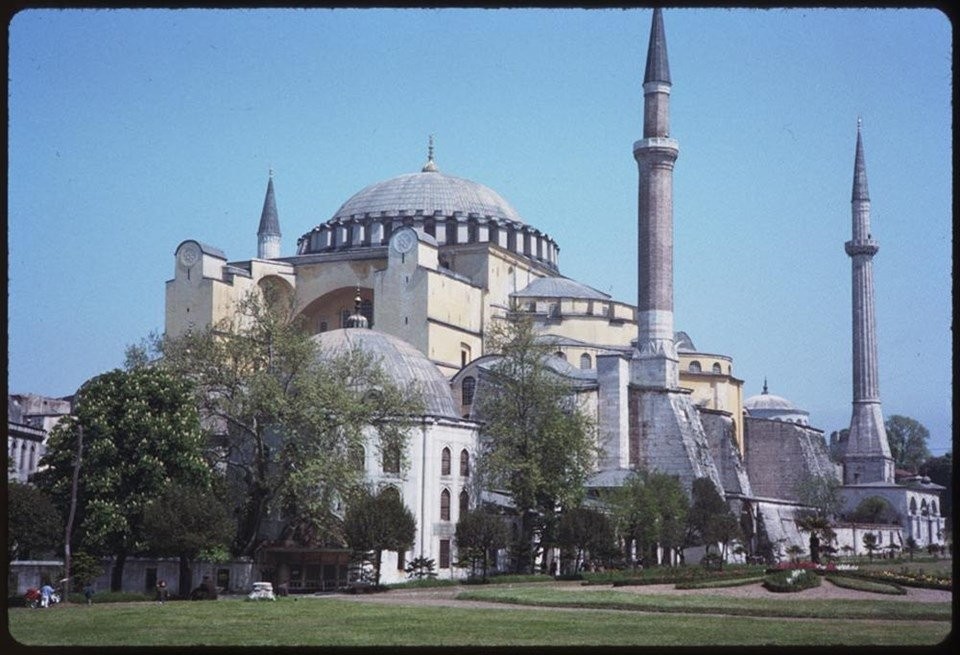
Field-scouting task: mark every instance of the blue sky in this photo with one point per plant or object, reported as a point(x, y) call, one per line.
point(132, 130)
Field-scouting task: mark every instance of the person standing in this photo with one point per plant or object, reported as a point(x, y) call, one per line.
point(161, 591)
point(88, 593)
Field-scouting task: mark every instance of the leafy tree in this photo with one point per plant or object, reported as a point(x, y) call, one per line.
point(34, 525)
point(874, 509)
point(908, 442)
point(911, 546)
point(185, 521)
point(540, 444)
point(286, 417)
point(84, 569)
point(650, 508)
point(710, 520)
point(140, 432)
point(821, 533)
point(794, 551)
point(374, 523)
point(478, 532)
point(820, 492)
point(420, 568)
point(870, 543)
point(586, 531)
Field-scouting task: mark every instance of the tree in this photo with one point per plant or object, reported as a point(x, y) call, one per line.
point(710, 520)
point(794, 551)
point(820, 531)
point(420, 568)
point(911, 546)
point(821, 493)
point(874, 509)
point(84, 569)
point(539, 443)
point(940, 470)
point(478, 533)
point(587, 532)
point(34, 525)
point(140, 432)
point(374, 523)
point(185, 521)
point(285, 417)
point(908, 442)
point(870, 543)
point(650, 508)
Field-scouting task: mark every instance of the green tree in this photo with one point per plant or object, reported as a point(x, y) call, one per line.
point(286, 417)
point(870, 543)
point(940, 470)
point(821, 493)
point(420, 568)
point(539, 442)
point(140, 432)
point(649, 509)
point(587, 532)
point(479, 532)
point(710, 520)
point(908, 442)
point(794, 551)
point(84, 569)
point(874, 509)
point(374, 523)
point(185, 521)
point(911, 546)
point(34, 525)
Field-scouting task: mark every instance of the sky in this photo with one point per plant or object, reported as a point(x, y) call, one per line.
point(132, 130)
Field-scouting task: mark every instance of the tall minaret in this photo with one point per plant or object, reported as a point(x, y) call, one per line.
point(268, 234)
point(867, 454)
point(656, 360)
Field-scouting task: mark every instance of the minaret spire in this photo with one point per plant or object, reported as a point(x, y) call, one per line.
point(867, 455)
point(268, 234)
point(655, 154)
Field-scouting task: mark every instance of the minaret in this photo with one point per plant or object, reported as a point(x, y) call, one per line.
point(666, 433)
point(656, 360)
point(867, 455)
point(268, 234)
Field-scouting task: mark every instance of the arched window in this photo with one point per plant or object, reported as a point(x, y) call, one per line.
point(924, 510)
point(358, 457)
point(694, 367)
point(933, 507)
point(586, 361)
point(390, 492)
point(464, 463)
point(444, 505)
point(464, 502)
point(561, 355)
point(467, 387)
point(391, 459)
point(716, 368)
point(913, 505)
point(445, 461)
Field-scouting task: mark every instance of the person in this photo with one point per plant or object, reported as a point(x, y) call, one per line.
point(161, 591)
point(88, 593)
point(46, 591)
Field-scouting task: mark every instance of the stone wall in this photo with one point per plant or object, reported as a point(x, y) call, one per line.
point(780, 455)
point(721, 438)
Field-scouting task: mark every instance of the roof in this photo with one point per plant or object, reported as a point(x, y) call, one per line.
point(428, 192)
point(269, 219)
point(405, 365)
point(658, 68)
point(769, 401)
point(558, 287)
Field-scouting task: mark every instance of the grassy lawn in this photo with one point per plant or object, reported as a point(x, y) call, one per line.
point(332, 622)
point(775, 606)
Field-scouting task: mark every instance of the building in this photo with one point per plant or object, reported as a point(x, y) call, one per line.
point(30, 418)
point(436, 260)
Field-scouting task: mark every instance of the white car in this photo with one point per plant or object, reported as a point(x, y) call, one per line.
point(261, 591)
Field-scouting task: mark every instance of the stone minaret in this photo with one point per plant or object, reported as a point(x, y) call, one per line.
point(268, 234)
point(867, 454)
point(666, 433)
point(656, 360)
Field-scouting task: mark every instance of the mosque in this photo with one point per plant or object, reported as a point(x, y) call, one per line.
point(431, 261)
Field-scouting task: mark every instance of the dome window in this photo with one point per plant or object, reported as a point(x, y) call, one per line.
point(586, 362)
point(716, 368)
point(694, 367)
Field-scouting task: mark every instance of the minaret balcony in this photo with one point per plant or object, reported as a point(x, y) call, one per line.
point(657, 145)
point(866, 247)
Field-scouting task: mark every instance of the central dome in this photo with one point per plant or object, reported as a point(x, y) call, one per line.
point(428, 193)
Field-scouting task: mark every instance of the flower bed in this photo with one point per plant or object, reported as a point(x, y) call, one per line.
point(907, 579)
point(859, 584)
point(791, 580)
point(684, 575)
point(713, 584)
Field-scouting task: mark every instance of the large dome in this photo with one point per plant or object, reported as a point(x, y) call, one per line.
point(402, 362)
point(427, 193)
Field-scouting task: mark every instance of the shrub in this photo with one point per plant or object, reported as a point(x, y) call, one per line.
point(791, 580)
point(860, 584)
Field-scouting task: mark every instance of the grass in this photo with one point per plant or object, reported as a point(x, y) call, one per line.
point(773, 606)
point(713, 584)
point(333, 622)
point(866, 585)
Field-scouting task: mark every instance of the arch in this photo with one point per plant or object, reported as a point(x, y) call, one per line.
point(391, 491)
point(467, 389)
point(445, 505)
point(445, 461)
point(913, 505)
point(875, 510)
point(562, 355)
point(933, 507)
point(391, 458)
point(464, 463)
point(924, 508)
point(586, 362)
point(464, 502)
point(716, 368)
point(331, 310)
point(694, 367)
point(358, 457)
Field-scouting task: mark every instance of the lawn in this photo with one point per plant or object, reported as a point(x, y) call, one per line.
point(333, 622)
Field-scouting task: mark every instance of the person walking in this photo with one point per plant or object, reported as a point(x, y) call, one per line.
point(161, 591)
point(88, 593)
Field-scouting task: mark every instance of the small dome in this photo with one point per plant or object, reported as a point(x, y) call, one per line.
point(770, 402)
point(402, 362)
point(427, 192)
point(776, 408)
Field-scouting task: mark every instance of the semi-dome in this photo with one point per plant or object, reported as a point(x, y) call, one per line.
point(559, 287)
point(403, 363)
point(428, 193)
